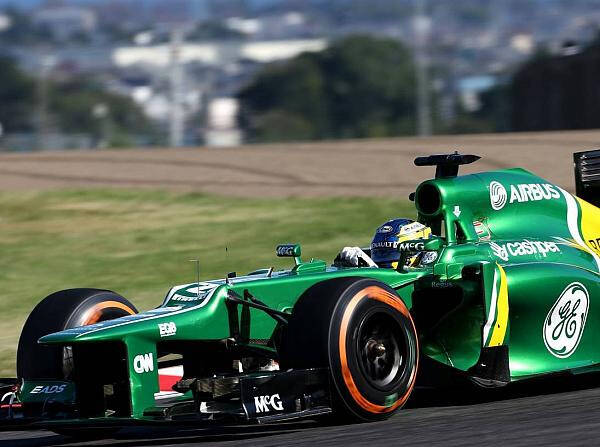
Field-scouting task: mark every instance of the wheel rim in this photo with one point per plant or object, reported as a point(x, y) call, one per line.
point(382, 350)
point(109, 314)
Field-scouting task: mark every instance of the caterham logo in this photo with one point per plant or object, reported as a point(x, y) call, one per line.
point(498, 195)
point(565, 322)
point(264, 404)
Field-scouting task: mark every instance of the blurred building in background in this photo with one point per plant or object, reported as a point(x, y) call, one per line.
point(65, 22)
point(100, 73)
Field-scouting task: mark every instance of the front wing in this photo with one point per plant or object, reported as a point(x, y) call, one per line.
point(261, 397)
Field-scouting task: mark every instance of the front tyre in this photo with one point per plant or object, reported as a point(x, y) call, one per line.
point(362, 331)
point(59, 311)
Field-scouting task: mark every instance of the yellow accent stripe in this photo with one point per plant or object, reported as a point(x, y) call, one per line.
point(590, 225)
point(499, 331)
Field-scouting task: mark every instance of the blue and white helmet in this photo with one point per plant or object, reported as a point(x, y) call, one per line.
point(384, 247)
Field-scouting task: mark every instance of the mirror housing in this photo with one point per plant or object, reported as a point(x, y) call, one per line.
point(289, 251)
point(434, 243)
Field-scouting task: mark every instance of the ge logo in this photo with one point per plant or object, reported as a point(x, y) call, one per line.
point(565, 322)
point(498, 195)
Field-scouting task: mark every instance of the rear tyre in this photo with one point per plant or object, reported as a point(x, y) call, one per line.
point(59, 311)
point(362, 331)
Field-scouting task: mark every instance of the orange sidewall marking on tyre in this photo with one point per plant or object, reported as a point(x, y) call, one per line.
point(93, 315)
point(394, 301)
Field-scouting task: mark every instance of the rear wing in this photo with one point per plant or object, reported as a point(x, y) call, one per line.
point(587, 176)
point(446, 164)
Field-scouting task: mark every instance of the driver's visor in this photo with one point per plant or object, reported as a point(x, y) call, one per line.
point(379, 255)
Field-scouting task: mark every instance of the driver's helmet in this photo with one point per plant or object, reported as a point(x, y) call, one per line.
point(384, 248)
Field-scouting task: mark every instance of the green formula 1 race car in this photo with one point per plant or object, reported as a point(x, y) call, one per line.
point(510, 291)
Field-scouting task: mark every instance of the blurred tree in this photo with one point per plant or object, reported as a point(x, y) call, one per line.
point(17, 93)
point(360, 86)
point(473, 14)
point(557, 92)
point(282, 126)
point(71, 106)
point(22, 31)
point(493, 115)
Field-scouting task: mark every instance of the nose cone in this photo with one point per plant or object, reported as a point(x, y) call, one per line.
point(105, 330)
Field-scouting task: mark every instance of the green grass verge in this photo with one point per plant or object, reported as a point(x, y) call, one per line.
point(139, 243)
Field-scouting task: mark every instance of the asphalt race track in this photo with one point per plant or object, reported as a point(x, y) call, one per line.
point(560, 412)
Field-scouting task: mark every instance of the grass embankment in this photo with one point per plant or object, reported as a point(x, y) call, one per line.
point(139, 243)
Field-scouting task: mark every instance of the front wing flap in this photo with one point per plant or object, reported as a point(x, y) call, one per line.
point(260, 397)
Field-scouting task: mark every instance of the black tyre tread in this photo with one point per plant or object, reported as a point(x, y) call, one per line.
point(303, 344)
point(305, 341)
point(54, 313)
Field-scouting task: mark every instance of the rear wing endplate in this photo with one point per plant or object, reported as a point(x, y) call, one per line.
point(587, 176)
